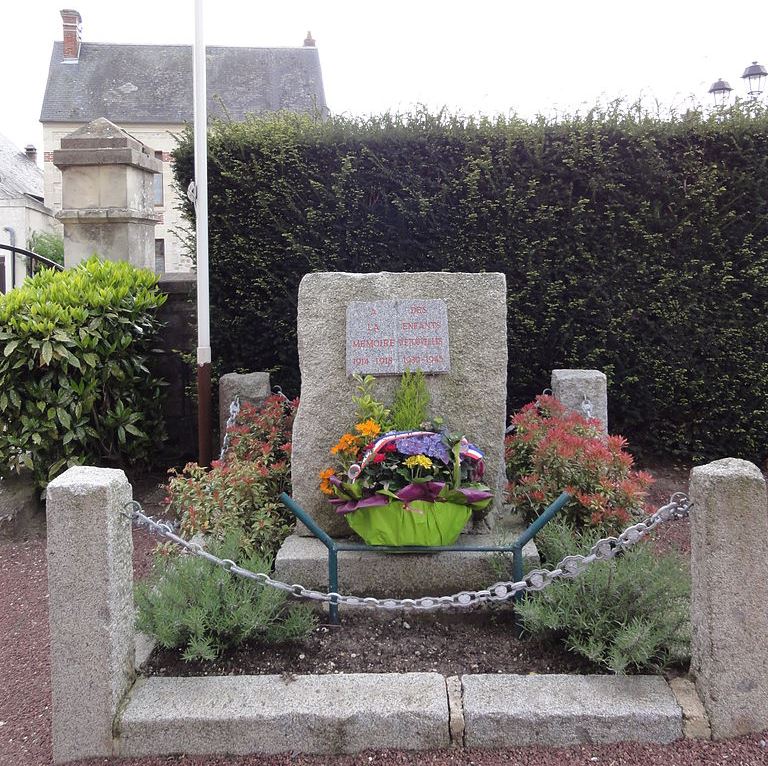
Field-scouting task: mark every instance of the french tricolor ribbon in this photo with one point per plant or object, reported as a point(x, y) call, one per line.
point(470, 450)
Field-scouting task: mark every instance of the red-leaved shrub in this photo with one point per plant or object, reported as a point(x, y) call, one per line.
point(552, 450)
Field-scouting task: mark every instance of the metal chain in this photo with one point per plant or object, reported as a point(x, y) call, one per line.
point(536, 580)
point(234, 411)
point(587, 408)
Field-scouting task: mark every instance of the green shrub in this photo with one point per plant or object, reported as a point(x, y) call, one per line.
point(630, 244)
point(240, 495)
point(627, 614)
point(50, 246)
point(74, 382)
point(189, 603)
point(552, 450)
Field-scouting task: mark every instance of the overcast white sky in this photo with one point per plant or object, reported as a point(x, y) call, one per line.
point(473, 56)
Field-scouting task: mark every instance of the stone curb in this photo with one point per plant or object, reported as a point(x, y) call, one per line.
point(553, 710)
point(695, 720)
point(346, 713)
point(284, 714)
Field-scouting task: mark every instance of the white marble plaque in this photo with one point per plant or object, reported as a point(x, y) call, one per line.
point(389, 337)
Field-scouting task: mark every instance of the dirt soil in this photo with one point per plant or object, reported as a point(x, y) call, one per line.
point(449, 644)
point(25, 693)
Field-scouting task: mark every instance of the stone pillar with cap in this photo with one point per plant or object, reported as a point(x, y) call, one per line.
point(583, 391)
point(107, 195)
point(729, 529)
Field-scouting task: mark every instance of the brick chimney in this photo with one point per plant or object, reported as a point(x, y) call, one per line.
point(309, 41)
point(31, 152)
point(73, 28)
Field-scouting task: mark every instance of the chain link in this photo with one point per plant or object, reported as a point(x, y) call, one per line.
point(536, 580)
point(234, 411)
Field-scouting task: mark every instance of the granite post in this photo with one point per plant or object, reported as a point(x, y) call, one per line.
point(107, 192)
point(251, 387)
point(583, 391)
point(729, 612)
point(91, 613)
point(471, 397)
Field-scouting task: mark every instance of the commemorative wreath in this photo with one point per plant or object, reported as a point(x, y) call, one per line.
point(401, 479)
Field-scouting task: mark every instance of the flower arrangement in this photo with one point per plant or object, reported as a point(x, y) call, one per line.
point(401, 479)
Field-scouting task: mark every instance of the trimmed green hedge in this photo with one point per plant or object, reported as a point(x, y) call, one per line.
point(630, 244)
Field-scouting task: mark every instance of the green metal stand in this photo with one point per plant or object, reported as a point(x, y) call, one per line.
point(334, 546)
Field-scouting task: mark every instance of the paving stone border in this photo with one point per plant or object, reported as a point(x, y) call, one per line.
point(100, 710)
point(346, 713)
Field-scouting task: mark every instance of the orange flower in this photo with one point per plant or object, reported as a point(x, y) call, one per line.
point(368, 428)
point(347, 443)
point(325, 484)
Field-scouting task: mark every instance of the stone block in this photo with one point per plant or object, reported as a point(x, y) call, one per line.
point(304, 560)
point(90, 585)
point(252, 387)
point(552, 710)
point(695, 721)
point(729, 543)
point(285, 714)
point(107, 193)
point(583, 391)
point(21, 513)
point(471, 398)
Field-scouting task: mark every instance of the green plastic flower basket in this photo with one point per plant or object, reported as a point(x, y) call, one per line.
point(421, 523)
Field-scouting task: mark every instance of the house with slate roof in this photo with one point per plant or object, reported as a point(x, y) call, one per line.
point(147, 91)
point(22, 212)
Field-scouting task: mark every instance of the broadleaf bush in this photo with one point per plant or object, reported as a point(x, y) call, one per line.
point(552, 450)
point(75, 385)
point(631, 244)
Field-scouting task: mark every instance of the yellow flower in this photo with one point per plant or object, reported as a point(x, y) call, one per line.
point(368, 428)
point(347, 443)
point(420, 461)
point(325, 484)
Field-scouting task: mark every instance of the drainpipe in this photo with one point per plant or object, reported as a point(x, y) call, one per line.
point(12, 243)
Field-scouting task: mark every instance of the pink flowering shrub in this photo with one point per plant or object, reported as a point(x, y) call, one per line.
point(240, 493)
point(552, 450)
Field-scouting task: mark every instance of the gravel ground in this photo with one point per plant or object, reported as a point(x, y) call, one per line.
point(25, 725)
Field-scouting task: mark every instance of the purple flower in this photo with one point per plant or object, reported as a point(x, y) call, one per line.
point(431, 445)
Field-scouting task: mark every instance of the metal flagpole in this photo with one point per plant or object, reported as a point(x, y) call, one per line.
point(201, 233)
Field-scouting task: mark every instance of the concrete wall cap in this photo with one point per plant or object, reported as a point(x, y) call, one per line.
point(136, 157)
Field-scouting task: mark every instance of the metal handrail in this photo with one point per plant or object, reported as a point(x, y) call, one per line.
point(335, 546)
point(31, 257)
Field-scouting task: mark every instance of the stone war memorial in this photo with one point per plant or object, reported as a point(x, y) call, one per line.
point(452, 326)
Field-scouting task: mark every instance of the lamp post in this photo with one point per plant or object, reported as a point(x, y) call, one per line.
point(201, 241)
point(754, 81)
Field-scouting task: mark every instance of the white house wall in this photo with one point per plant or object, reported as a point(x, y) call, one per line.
point(25, 216)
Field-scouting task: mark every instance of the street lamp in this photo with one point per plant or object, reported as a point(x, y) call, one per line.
point(754, 80)
point(721, 92)
point(754, 77)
